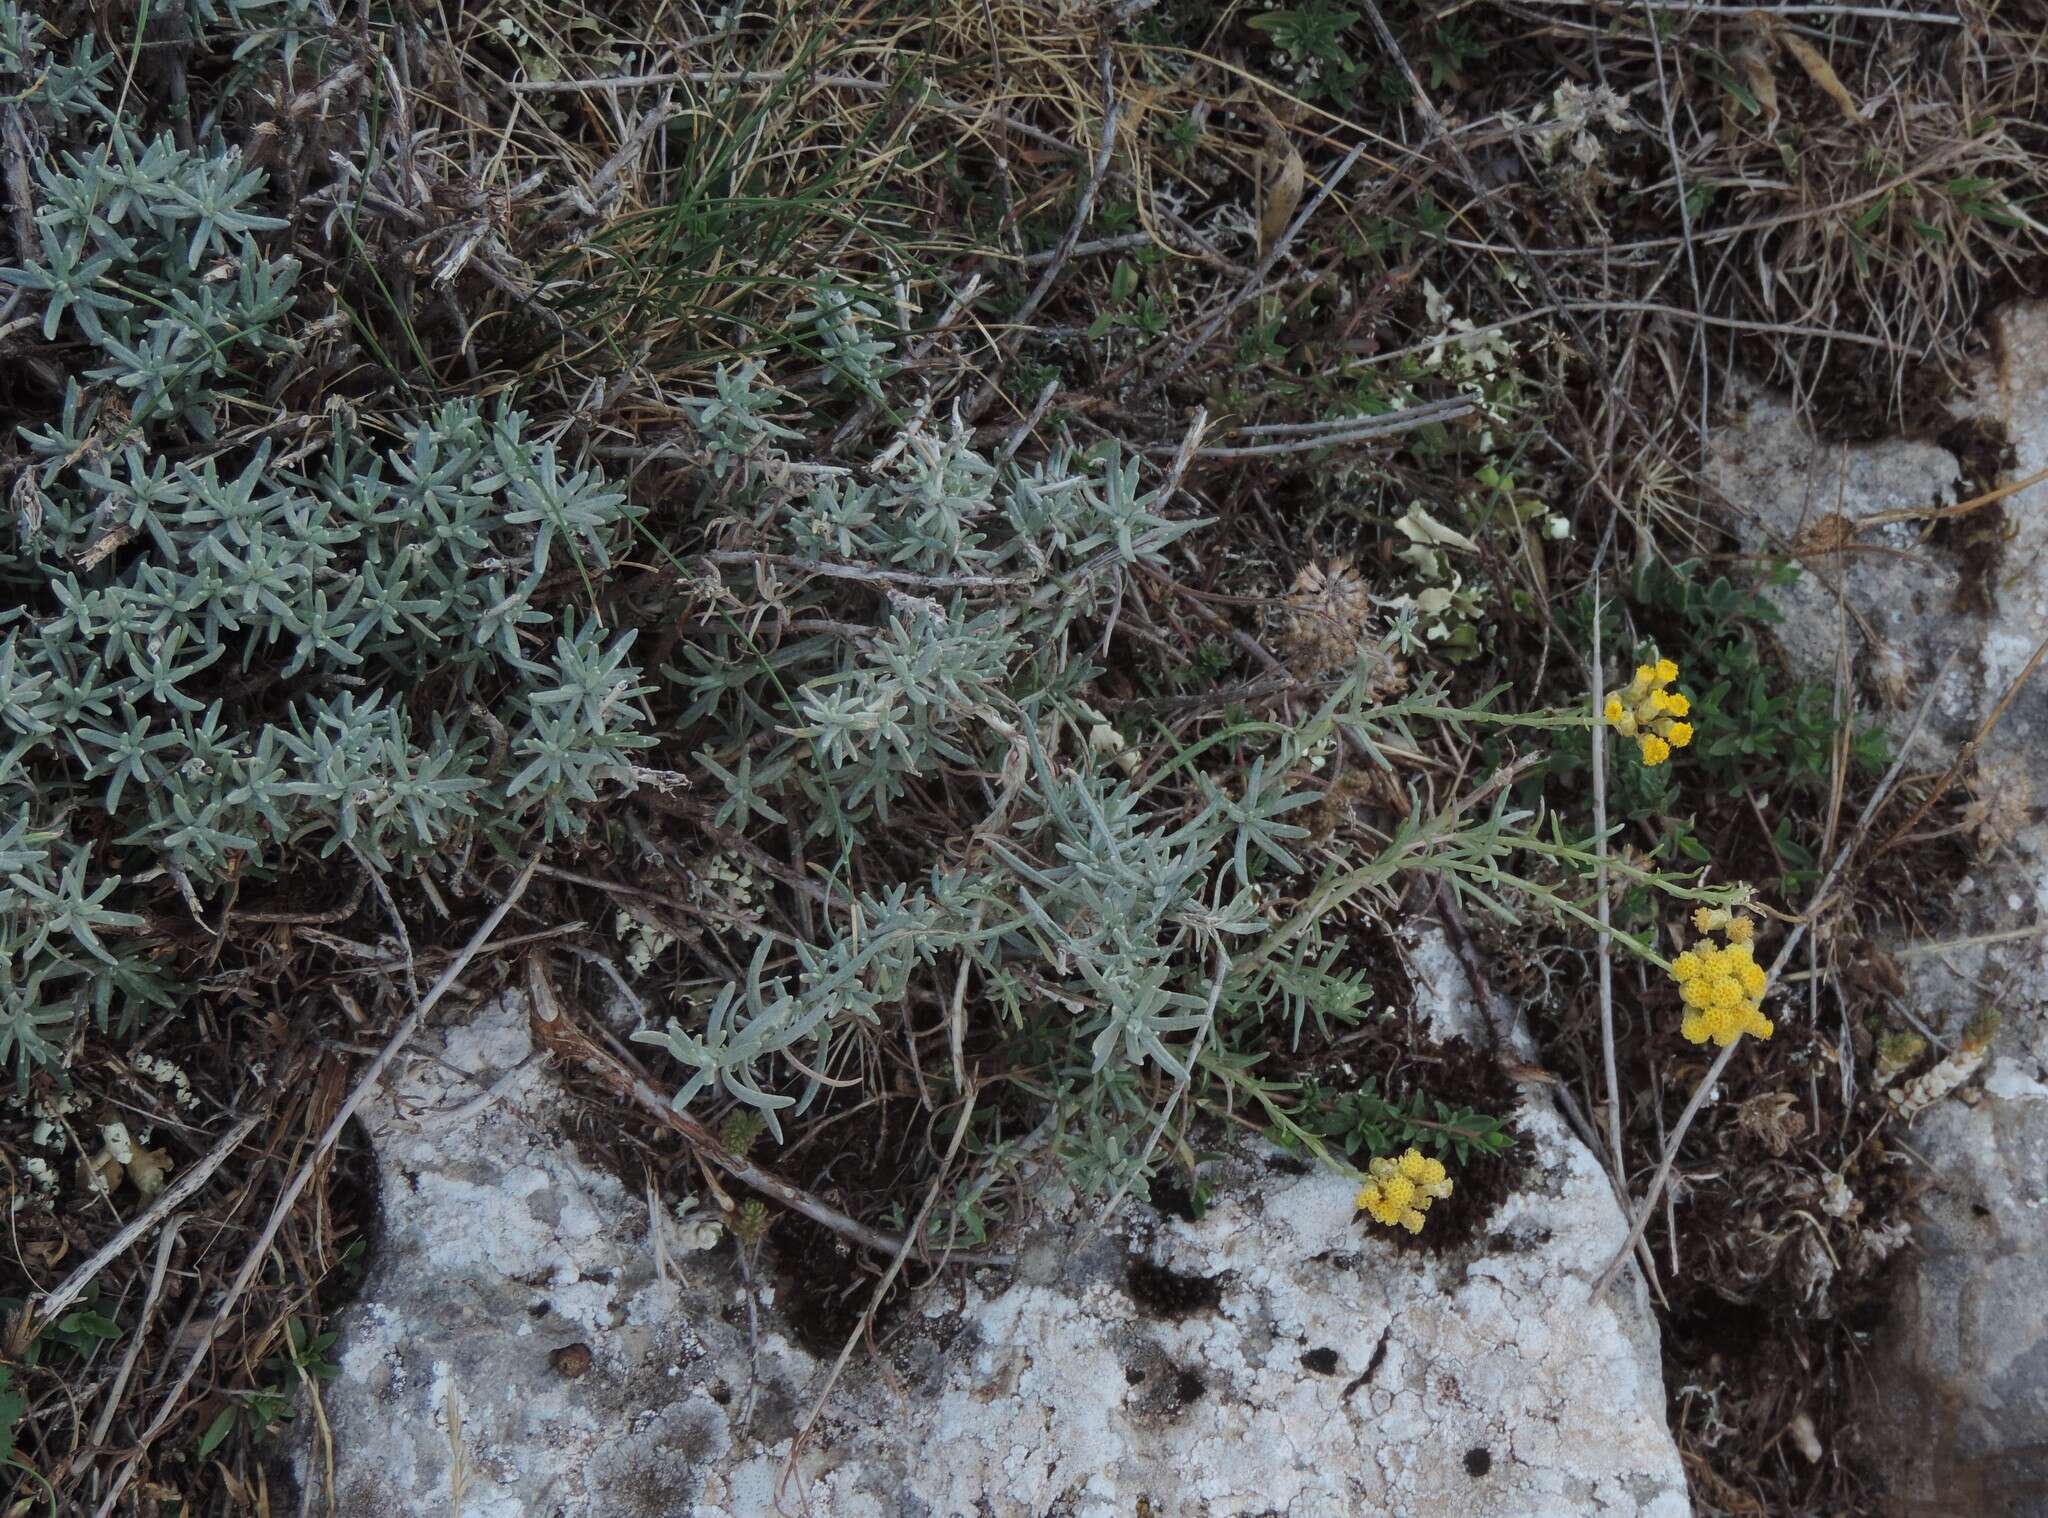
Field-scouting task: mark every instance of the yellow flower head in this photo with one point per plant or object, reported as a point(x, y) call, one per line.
point(1648, 712)
point(1721, 985)
point(1399, 1191)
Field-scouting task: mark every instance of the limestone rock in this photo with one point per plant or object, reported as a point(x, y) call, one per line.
point(1963, 1362)
point(1901, 595)
point(1300, 1365)
point(1969, 1334)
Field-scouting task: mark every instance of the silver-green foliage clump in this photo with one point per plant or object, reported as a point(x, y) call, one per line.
point(219, 640)
point(897, 673)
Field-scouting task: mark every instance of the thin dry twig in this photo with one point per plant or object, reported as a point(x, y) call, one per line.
point(1944, 513)
point(1969, 750)
point(49, 1307)
point(1362, 430)
point(881, 1291)
point(15, 154)
point(1692, 261)
point(862, 572)
point(139, 1334)
point(571, 1042)
point(1609, 1069)
point(1180, 1087)
point(259, 1251)
point(1690, 8)
point(1083, 209)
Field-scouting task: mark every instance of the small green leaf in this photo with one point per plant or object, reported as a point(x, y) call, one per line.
point(89, 1325)
point(12, 1405)
point(217, 1430)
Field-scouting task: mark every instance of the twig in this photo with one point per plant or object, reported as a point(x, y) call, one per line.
point(1364, 430)
point(1971, 941)
point(1692, 262)
point(1688, 7)
point(1031, 419)
point(1266, 265)
point(863, 572)
point(881, 1290)
point(259, 1252)
point(1969, 750)
point(49, 1307)
point(1818, 900)
point(299, 919)
point(1180, 1088)
point(138, 1335)
point(1781, 329)
point(1190, 448)
point(571, 1042)
point(1489, 1002)
point(671, 76)
point(1019, 323)
point(1943, 513)
point(956, 1021)
point(14, 154)
point(1610, 1070)
point(1328, 424)
point(1566, 1103)
point(1094, 246)
point(743, 1253)
point(396, 919)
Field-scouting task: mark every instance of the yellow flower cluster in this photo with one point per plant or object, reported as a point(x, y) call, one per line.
point(1400, 1191)
point(1722, 987)
point(1649, 713)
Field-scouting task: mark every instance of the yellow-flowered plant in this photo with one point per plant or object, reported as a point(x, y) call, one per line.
point(1651, 713)
point(1722, 985)
point(1400, 1190)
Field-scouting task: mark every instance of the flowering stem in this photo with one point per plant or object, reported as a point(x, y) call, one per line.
point(1609, 1069)
point(1493, 875)
point(1256, 1089)
point(1717, 896)
point(1818, 899)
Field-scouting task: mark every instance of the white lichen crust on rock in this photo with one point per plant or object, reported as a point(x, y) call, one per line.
point(1322, 1370)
